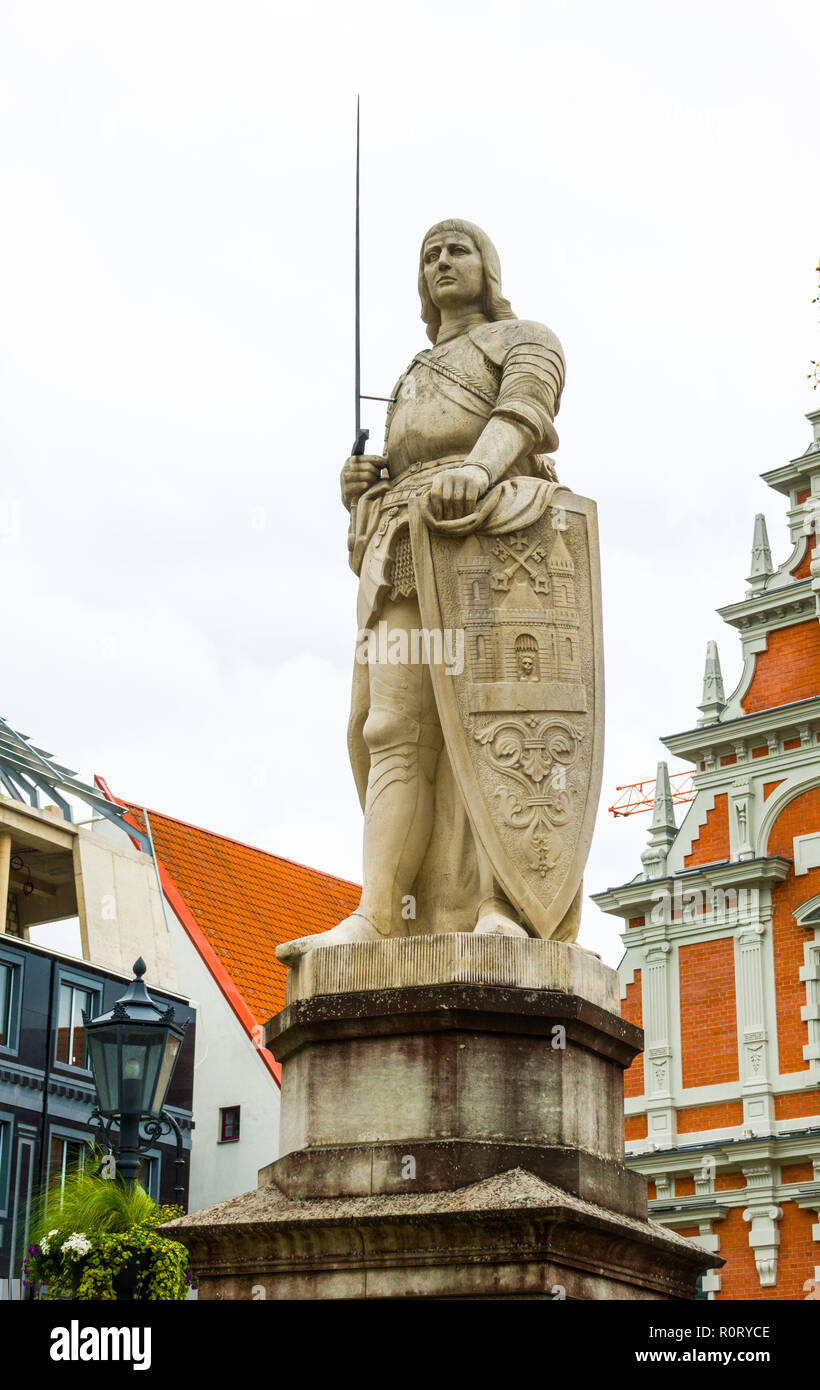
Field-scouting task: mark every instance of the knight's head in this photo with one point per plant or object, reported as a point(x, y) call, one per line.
point(459, 270)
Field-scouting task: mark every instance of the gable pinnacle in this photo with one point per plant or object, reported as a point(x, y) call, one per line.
point(662, 831)
point(713, 700)
point(761, 554)
point(663, 811)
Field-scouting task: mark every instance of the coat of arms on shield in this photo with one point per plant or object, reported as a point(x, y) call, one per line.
point(523, 720)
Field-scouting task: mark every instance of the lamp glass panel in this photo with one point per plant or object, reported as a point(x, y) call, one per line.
point(103, 1056)
point(142, 1051)
point(164, 1076)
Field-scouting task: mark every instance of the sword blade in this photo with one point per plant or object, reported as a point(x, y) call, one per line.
point(361, 435)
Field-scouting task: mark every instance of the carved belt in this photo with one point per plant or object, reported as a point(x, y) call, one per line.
point(416, 479)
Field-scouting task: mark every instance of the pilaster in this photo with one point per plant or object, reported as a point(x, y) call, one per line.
point(753, 1036)
point(741, 809)
point(658, 1052)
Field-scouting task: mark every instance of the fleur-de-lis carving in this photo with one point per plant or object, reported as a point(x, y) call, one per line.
point(532, 752)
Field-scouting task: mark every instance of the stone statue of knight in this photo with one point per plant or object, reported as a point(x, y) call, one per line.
point(469, 430)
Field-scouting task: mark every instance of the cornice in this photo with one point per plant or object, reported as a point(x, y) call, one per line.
point(772, 607)
point(745, 873)
point(695, 1209)
point(693, 743)
point(789, 476)
point(13, 1074)
point(72, 1090)
point(67, 1088)
point(63, 1088)
point(728, 1153)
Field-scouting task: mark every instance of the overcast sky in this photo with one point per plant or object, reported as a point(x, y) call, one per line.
point(176, 299)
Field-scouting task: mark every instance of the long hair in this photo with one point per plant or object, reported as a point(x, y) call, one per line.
point(493, 303)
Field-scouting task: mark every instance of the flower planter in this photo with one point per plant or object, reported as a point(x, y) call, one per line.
point(126, 1281)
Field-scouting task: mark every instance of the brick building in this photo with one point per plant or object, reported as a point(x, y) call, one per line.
point(722, 961)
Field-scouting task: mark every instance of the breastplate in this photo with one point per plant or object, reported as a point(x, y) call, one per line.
point(443, 403)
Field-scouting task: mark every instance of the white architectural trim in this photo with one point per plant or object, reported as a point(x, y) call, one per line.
point(808, 917)
point(808, 1199)
point(806, 849)
point(792, 786)
point(709, 742)
point(626, 974)
point(656, 995)
point(763, 1215)
point(752, 1025)
point(734, 707)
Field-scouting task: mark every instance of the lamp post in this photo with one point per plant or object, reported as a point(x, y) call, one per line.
point(132, 1051)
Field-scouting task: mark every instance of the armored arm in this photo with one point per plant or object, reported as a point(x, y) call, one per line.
point(532, 377)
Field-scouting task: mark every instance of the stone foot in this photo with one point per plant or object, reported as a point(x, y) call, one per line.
point(353, 928)
point(495, 923)
point(576, 946)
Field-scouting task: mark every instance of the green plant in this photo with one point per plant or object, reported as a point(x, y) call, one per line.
point(97, 1229)
point(93, 1204)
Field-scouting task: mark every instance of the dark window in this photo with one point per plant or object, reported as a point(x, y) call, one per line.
point(229, 1124)
point(67, 1158)
point(148, 1175)
point(5, 1156)
point(9, 975)
point(71, 1048)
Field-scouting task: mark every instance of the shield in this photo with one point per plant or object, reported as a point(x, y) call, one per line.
point(523, 717)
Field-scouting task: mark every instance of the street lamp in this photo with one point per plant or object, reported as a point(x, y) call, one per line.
point(132, 1051)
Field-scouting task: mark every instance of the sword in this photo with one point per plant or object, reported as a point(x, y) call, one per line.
point(362, 435)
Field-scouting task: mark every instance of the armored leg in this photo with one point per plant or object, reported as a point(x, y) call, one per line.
point(403, 736)
point(404, 739)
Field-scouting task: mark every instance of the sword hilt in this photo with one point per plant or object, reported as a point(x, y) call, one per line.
point(362, 437)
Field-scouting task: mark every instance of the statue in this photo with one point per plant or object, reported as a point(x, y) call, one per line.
point(478, 773)
point(420, 1057)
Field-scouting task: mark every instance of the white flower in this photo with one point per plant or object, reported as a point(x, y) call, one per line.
point(44, 1243)
point(76, 1246)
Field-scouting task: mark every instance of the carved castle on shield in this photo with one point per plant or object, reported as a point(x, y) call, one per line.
point(521, 624)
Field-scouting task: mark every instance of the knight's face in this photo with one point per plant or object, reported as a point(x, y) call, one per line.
point(453, 270)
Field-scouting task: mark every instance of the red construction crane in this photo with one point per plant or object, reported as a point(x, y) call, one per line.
point(640, 796)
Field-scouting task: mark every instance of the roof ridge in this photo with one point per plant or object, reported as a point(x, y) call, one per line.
point(243, 844)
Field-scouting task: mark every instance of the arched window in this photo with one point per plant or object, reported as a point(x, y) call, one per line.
point(526, 657)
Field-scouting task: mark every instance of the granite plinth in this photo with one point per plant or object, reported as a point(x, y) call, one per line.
point(451, 1125)
point(510, 1236)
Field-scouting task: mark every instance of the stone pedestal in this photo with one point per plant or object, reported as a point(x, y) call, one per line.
point(452, 1126)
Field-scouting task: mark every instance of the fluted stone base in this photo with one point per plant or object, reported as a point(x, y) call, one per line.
point(451, 1125)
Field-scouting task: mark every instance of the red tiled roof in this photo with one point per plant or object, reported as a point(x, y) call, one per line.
point(245, 902)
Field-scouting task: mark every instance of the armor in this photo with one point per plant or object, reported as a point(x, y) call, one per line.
point(513, 370)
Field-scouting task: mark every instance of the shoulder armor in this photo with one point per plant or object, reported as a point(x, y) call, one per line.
point(496, 339)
